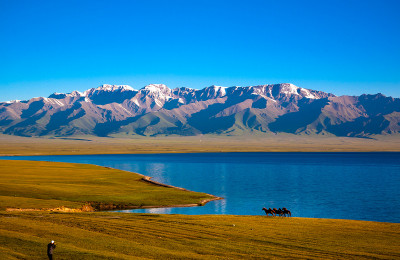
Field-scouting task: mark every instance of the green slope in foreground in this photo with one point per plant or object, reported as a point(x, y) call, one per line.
point(107, 235)
point(44, 185)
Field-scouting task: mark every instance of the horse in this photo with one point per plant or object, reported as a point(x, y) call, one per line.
point(278, 211)
point(269, 211)
point(286, 212)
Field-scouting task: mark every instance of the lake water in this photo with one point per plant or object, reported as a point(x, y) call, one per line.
point(362, 186)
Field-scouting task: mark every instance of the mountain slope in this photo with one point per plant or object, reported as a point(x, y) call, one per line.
point(159, 110)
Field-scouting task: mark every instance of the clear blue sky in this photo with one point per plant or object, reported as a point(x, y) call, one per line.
point(342, 47)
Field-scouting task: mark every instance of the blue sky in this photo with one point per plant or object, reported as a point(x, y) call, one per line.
point(342, 47)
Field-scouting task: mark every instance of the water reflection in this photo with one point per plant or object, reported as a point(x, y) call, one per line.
point(157, 171)
point(159, 210)
point(220, 206)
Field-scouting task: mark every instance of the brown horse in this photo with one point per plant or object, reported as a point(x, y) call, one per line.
point(286, 212)
point(269, 211)
point(277, 211)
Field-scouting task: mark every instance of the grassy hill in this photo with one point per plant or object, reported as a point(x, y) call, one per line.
point(37, 185)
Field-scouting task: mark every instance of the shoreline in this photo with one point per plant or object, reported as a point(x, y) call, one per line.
point(192, 152)
point(200, 152)
point(69, 210)
point(201, 203)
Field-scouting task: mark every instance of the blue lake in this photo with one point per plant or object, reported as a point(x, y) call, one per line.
point(362, 186)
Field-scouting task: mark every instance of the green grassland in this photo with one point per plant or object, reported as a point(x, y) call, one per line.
point(38, 185)
point(108, 235)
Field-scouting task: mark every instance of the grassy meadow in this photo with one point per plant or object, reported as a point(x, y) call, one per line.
point(102, 235)
point(44, 185)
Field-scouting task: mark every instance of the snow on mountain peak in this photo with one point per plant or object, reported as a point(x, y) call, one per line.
point(76, 94)
point(289, 89)
point(216, 91)
point(12, 101)
point(221, 90)
point(156, 87)
point(218, 87)
point(73, 94)
point(307, 93)
point(157, 90)
point(108, 87)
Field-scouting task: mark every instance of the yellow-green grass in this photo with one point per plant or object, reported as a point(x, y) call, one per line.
point(38, 185)
point(14, 145)
point(100, 235)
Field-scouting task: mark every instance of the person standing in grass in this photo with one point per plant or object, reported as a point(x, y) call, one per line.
point(50, 248)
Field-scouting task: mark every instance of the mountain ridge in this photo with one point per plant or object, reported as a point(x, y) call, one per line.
point(158, 110)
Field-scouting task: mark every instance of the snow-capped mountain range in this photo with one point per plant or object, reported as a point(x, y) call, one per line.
point(159, 110)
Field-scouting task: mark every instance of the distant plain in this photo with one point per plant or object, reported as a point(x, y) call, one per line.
point(16, 145)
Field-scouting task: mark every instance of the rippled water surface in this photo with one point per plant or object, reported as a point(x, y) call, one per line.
point(363, 186)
